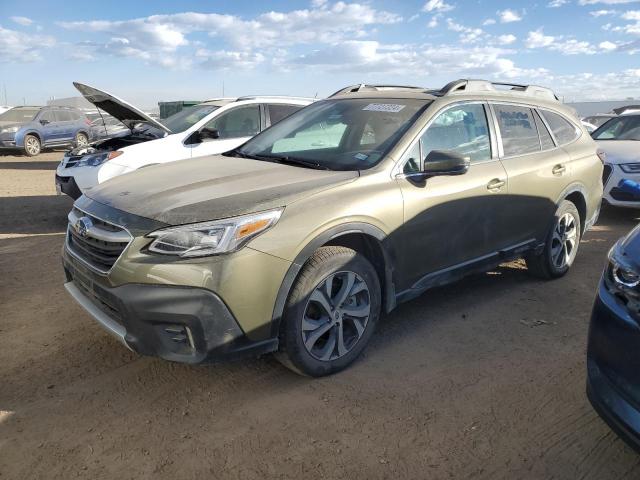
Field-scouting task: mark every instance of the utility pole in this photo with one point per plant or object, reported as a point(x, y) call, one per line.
point(4, 87)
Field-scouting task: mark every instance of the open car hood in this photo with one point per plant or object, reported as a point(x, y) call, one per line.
point(114, 106)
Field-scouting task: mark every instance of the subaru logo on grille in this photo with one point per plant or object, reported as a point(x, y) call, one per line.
point(82, 225)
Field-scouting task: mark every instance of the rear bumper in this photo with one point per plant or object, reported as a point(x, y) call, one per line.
point(180, 324)
point(613, 378)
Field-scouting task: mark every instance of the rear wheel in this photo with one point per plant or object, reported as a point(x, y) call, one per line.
point(562, 244)
point(331, 312)
point(81, 139)
point(32, 145)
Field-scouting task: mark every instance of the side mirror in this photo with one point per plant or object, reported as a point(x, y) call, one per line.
point(209, 134)
point(43, 122)
point(445, 162)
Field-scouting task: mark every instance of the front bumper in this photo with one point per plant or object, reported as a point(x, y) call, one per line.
point(614, 195)
point(68, 186)
point(613, 378)
point(181, 324)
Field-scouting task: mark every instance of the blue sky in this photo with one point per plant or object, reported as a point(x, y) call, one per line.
point(161, 50)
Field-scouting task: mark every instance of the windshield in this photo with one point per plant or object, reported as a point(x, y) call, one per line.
point(619, 128)
point(187, 117)
point(353, 134)
point(19, 115)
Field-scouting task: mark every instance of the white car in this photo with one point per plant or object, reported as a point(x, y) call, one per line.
point(212, 127)
point(619, 139)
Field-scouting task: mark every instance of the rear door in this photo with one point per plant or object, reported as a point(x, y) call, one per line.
point(66, 124)
point(276, 112)
point(451, 221)
point(234, 126)
point(537, 169)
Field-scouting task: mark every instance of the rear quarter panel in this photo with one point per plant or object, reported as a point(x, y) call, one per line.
point(586, 171)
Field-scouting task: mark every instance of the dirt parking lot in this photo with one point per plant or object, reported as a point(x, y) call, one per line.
point(484, 379)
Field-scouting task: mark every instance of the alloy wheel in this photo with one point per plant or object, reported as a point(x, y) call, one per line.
point(564, 243)
point(336, 316)
point(32, 146)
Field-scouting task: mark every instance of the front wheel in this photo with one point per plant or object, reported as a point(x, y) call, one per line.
point(331, 312)
point(562, 244)
point(32, 145)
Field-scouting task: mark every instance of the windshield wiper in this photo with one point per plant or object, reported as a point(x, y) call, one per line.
point(286, 160)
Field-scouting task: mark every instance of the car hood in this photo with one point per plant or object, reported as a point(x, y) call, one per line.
point(10, 124)
point(621, 151)
point(210, 188)
point(116, 107)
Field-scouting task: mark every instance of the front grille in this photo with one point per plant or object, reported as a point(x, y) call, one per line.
point(606, 173)
point(96, 243)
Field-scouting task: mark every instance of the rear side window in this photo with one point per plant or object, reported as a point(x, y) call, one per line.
point(546, 142)
point(562, 129)
point(48, 116)
point(517, 129)
point(64, 115)
point(279, 112)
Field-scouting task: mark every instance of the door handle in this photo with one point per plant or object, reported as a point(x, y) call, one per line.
point(496, 184)
point(559, 169)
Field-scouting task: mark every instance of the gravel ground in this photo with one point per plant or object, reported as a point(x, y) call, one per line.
point(484, 379)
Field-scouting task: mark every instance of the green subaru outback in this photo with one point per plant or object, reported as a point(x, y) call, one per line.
point(299, 240)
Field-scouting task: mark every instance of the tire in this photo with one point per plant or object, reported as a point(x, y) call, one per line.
point(81, 139)
point(562, 244)
point(314, 322)
point(32, 145)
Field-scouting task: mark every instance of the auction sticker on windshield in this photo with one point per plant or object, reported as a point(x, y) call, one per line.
point(384, 107)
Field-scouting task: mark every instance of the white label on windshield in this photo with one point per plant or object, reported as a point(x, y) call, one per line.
point(384, 107)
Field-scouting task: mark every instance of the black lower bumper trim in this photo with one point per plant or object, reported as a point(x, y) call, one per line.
point(69, 186)
point(181, 324)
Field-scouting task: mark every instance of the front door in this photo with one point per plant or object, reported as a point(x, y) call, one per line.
point(50, 128)
point(450, 220)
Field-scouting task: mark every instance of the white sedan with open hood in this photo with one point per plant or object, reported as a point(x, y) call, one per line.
point(212, 127)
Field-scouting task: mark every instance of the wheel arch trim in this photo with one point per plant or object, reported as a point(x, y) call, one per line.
point(323, 238)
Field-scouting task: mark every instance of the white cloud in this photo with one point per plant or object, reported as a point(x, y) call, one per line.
point(156, 39)
point(507, 39)
point(537, 39)
point(489, 21)
point(607, 46)
point(606, 2)
point(437, 6)
point(557, 3)
point(509, 16)
point(433, 23)
point(601, 13)
point(631, 15)
point(24, 21)
point(21, 47)
point(467, 34)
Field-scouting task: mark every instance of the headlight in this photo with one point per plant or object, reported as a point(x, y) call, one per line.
point(95, 159)
point(212, 238)
point(623, 275)
point(630, 167)
point(10, 130)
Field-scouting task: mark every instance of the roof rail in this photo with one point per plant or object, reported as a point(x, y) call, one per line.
point(464, 85)
point(376, 88)
point(286, 97)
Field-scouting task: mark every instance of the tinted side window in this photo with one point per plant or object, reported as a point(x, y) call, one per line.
point(279, 112)
point(545, 137)
point(462, 129)
point(63, 115)
point(413, 163)
point(236, 123)
point(562, 129)
point(517, 129)
point(47, 115)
